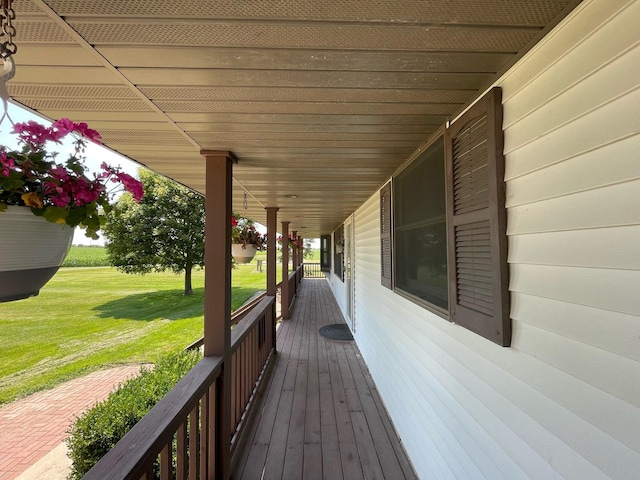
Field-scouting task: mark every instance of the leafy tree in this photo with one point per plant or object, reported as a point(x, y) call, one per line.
point(308, 249)
point(165, 231)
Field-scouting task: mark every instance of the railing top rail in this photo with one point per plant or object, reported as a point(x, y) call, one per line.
point(138, 449)
point(294, 272)
point(241, 311)
point(236, 315)
point(243, 327)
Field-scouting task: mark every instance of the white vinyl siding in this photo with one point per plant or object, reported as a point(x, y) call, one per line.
point(564, 400)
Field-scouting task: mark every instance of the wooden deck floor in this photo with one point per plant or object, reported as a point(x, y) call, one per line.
point(320, 415)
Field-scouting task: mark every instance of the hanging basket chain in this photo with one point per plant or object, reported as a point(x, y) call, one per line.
point(244, 205)
point(8, 48)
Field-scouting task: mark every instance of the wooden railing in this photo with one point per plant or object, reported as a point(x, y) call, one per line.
point(295, 278)
point(312, 270)
point(253, 340)
point(177, 438)
point(292, 289)
point(299, 275)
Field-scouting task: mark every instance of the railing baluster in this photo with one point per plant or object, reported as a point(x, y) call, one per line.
point(234, 390)
point(165, 462)
point(312, 270)
point(240, 381)
point(181, 452)
point(240, 385)
point(255, 355)
point(194, 442)
point(272, 325)
point(204, 437)
point(212, 402)
point(247, 367)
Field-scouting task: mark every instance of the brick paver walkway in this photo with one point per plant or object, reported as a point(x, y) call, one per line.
point(33, 426)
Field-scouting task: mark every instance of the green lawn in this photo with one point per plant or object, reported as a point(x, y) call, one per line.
point(86, 318)
point(83, 256)
point(314, 257)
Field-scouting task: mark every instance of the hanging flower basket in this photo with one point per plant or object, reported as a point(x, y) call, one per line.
point(246, 240)
point(42, 200)
point(59, 192)
point(243, 253)
point(32, 251)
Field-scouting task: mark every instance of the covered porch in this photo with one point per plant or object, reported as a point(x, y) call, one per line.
point(308, 409)
point(310, 110)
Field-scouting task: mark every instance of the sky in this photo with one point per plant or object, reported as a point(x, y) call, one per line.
point(95, 155)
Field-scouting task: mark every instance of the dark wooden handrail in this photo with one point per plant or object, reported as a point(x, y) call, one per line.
point(295, 277)
point(292, 288)
point(242, 329)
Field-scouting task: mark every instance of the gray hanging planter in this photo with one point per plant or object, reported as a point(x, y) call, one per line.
point(32, 251)
point(243, 253)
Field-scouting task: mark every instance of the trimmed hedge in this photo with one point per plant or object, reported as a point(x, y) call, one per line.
point(98, 429)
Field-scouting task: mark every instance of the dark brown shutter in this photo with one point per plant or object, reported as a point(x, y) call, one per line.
point(338, 257)
point(325, 253)
point(476, 221)
point(385, 235)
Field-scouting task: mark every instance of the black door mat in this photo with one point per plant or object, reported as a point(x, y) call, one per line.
point(337, 331)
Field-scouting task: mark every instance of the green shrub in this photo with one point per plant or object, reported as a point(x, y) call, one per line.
point(97, 430)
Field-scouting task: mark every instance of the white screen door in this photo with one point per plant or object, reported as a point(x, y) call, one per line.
point(349, 271)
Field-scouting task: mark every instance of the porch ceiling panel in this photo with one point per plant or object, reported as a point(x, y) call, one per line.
point(333, 120)
point(321, 100)
point(280, 78)
point(348, 128)
point(270, 59)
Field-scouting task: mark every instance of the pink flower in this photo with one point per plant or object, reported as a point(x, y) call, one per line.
point(61, 200)
point(34, 133)
point(51, 188)
point(57, 195)
point(86, 195)
point(6, 164)
point(62, 127)
point(83, 129)
point(133, 186)
point(59, 173)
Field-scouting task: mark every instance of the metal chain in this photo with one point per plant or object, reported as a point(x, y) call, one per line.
point(8, 48)
point(244, 205)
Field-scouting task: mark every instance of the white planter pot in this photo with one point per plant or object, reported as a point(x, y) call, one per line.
point(243, 253)
point(32, 249)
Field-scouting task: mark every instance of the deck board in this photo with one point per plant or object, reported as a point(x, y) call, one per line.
point(320, 414)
